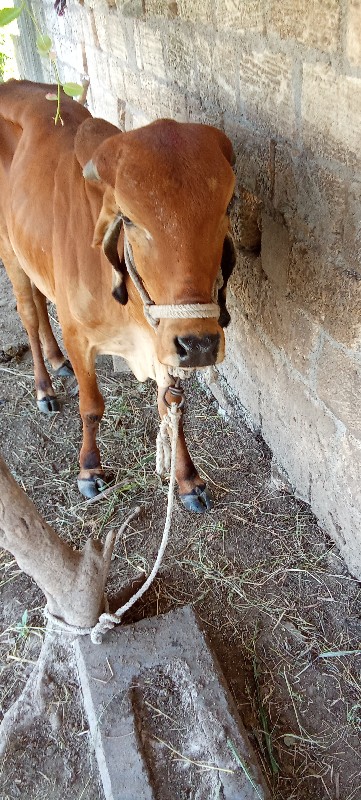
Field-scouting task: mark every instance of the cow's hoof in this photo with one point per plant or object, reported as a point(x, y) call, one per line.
point(198, 500)
point(48, 405)
point(65, 371)
point(91, 487)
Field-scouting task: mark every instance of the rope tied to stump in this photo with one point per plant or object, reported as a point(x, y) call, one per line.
point(166, 460)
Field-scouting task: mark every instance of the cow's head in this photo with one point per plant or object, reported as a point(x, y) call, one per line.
point(171, 183)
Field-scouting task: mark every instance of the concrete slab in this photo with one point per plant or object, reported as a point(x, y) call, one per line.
point(120, 365)
point(162, 721)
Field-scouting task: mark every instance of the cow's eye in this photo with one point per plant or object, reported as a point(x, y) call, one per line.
point(127, 221)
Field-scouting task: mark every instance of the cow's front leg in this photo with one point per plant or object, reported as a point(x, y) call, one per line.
point(91, 405)
point(192, 489)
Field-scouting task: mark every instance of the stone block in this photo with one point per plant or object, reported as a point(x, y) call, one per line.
point(70, 56)
point(103, 104)
point(203, 111)
point(331, 113)
point(131, 8)
point(239, 15)
point(164, 694)
point(315, 24)
point(335, 498)
point(225, 74)
point(217, 71)
point(353, 33)
point(266, 91)
point(300, 431)
point(339, 385)
point(194, 11)
point(330, 294)
point(179, 58)
point(241, 383)
point(245, 220)
point(131, 87)
point(205, 86)
point(101, 4)
point(158, 100)
point(65, 27)
point(120, 365)
point(352, 228)
point(149, 50)
point(163, 8)
point(116, 77)
point(275, 251)
point(247, 359)
point(246, 284)
point(135, 119)
point(98, 66)
point(88, 27)
point(110, 32)
point(289, 328)
point(253, 165)
point(279, 479)
point(312, 199)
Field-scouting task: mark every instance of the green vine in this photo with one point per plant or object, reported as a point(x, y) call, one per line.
point(44, 46)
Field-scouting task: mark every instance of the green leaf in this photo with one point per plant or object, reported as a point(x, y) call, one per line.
point(339, 653)
point(72, 89)
point(7, 15)
point(245, 768)
point(44, 44)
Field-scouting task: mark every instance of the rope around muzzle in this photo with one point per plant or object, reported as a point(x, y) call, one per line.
point(152, 312)
point(166, 459)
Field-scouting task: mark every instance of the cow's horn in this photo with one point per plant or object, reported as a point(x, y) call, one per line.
point(90, 172)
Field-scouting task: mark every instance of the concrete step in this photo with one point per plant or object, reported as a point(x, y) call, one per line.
point(162, 721)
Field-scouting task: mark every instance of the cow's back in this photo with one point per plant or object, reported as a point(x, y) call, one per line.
point(32, 148)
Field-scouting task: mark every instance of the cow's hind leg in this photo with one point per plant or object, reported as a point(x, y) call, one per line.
point(192, 489)
point(91, 404)
point(51, 349)
point(28, 313)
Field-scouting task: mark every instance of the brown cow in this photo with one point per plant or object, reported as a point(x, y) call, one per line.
point(157, 195)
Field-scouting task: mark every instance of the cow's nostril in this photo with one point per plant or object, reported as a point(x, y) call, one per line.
point(197, 351)
point(181, 347)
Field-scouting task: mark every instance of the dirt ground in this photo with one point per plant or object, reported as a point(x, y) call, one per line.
point(273, 593)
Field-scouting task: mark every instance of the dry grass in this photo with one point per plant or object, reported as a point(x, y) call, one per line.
point(274, 595)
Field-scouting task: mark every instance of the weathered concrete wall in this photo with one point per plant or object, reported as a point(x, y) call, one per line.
point(283, 79)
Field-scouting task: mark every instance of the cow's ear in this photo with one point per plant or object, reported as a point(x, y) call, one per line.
point(226, 146)
point(108, 212)
point(104, 161)
point(107, 233)
point(228, 263)
point(90, 134)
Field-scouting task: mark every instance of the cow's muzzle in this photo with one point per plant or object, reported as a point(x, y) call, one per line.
point(197, 351)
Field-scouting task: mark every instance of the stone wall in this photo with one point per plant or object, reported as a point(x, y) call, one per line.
point(283, 79)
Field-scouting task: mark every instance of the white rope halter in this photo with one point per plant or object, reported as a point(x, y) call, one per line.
point(154, 313)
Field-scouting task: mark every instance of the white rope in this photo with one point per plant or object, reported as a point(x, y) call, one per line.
point(152, 312)
point(185, 311)
point(138, 283)
point(57, 622)
point(108, 621)
point(164, 452)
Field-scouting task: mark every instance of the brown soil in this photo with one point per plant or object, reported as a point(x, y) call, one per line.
point(274, 595)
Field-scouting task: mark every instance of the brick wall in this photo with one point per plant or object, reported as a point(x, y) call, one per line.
point(283, 79)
